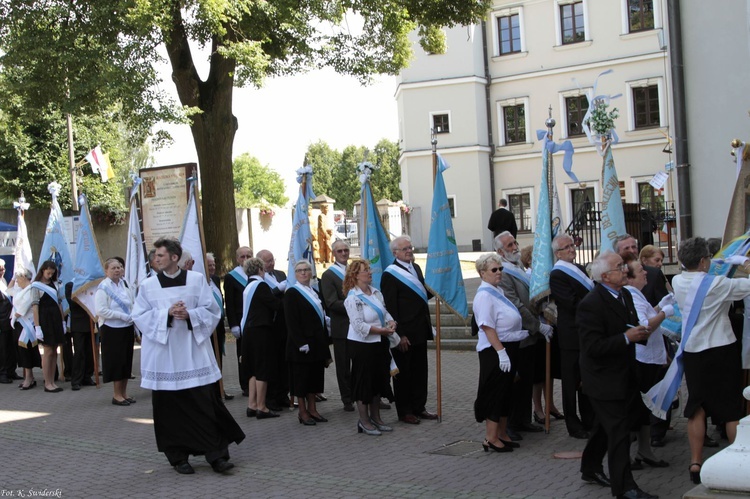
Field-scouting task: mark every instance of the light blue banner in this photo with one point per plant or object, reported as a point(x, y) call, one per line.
point(541, 259)
point(613, 217)
point(55, 247)
point(88, 265)
point(375, 244)
point(300, 246)
point(443, 270)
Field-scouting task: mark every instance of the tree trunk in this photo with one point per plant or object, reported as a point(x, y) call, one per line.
point(213, 133)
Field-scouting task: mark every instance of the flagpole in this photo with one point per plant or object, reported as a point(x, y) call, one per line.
point(550, 123)
point(438, 367)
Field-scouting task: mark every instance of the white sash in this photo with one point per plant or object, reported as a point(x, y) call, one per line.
point(511, 269)
point(239, 275)
point(217, 293)
point(337, 270)
point(247, 298)
point(45, 288)
point(313, 299)
point(574, 272)
point(408, 279)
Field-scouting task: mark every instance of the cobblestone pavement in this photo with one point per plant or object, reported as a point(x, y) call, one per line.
point(81, 445)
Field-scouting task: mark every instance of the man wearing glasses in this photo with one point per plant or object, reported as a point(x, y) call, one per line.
point(608, 330)
point(331, 283)
point(406, 299)
point(569, 284)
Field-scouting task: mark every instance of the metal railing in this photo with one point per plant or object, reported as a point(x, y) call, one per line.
point(644, 222)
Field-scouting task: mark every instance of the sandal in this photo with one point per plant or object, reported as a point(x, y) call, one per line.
point(695, 476)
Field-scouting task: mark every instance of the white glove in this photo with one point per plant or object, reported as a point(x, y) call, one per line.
point(235, 330)
point(732, 260)
point(502, 356)
point(667, 300)
point(282, 285)
point(668, 310)
point(434, 332)
point(65, 329)
point(305, 348)
point(38, 333)
point(328, 325)
point(546, 331)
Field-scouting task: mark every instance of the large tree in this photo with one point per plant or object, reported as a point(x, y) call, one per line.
point(88, 53)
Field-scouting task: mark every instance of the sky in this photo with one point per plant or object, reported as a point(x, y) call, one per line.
point(278, 122)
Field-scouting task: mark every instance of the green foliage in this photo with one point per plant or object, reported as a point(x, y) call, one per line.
point(256, 185)
point(602, 121)
point(324, 161)
point(432, 39)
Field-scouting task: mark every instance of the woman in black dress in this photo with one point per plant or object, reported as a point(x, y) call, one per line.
point(307, 343)
point(48, 317)
point(258, 338)
point(23, 320)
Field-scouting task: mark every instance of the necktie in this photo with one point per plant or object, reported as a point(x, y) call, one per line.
point(622, 299)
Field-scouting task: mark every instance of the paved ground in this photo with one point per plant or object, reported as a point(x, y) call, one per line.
point(79, 444)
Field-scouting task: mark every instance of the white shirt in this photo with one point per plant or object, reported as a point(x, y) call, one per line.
point(654, 351)
point(362, 316)
point(500, 316)
point(712, 328)
point(107, 309)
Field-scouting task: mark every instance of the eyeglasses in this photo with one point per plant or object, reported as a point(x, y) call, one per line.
point(621, 268)
point(407, 248)
point(566, 248)
point(345, 250)
point(494, 270)
point(299, 271)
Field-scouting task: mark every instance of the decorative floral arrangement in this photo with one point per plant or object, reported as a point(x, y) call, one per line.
point(406, 208)
point(267, 212)
point(602, 121)
point(365, 169)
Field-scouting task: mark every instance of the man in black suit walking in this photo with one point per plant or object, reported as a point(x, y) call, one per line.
point(569, 284)
point(502, 219)
point(605, 319)
point(331, 283)
point(406, 299)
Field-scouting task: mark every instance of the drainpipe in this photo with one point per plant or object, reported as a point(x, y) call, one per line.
point(685, 220)
point(488, 103)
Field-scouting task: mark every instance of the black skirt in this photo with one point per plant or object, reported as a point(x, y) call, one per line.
point(370, 375)
point(714, 382)
point(257, 353)
point(28, 356)
point(193, 421)
point(51, 321)
point(117, 352)
point(307, 377)
point(494, 399)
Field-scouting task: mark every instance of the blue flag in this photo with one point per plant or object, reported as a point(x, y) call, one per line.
point(443, 270)
point(374, 240)
point(300, 246)
point(613, 217)
point(88, 268)
point(541, 259)
point(55, 247)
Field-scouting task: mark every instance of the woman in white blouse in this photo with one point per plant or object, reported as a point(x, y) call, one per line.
point(370, 324)
point(23, 324)
point(499, 335)
point(651, 357)
point(114, 305)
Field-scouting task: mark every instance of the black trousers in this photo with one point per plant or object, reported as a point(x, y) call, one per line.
point(410, 384)
point(342, 361)
point(611, 436)
point(8, 360)
point(278, 384)
point(523, 388)
point(573, 398)
point(83, 357)
point(243, 380)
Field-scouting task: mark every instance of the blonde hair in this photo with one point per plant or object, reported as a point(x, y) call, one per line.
point(354, 268)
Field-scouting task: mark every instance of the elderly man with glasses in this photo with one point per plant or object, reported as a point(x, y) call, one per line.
point(608, 330)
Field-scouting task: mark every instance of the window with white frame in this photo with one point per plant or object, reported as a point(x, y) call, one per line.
point(645, 98)
point(640, 15)
point(508, 31)
point(452, 204)
point(571, 21)
point(440, 122)
point(512, 121)
point(520, 204)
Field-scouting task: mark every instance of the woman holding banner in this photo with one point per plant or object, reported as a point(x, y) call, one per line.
point(48, 317)
point(370, 329)
point(23, 320)
point(114, 305)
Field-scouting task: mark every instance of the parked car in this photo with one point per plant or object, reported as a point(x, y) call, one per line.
point(347, 232)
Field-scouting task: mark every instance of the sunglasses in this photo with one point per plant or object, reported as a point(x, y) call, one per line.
point(494, 270)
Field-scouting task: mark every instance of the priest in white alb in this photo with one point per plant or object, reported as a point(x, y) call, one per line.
point(176, 313)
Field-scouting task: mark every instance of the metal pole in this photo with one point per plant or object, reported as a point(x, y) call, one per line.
point(438, 369)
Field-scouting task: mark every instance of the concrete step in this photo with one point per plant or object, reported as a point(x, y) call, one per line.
point(449, 320)
point(463, 345)
point(455, 333)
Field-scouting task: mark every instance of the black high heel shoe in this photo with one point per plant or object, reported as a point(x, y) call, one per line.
point(695, 476)
point(487, 445)
point(539, 420)
point(510, 443)
point(557, 415)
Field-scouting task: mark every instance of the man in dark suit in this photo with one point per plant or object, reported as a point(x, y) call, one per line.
point(277, 396)
point(608, 370)
point(221, 336)
point(83, 355)
point(331, 283)
point(502, 219)
point(234, 285)
point(569, 284)
point(656, 287)
point(515, 285)
point(406, 299)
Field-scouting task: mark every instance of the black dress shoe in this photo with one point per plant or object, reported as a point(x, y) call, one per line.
point(32, 385)
point(251, 413)
point(221, 465)
point(228, 397)
point(580, 434)
point(184, 468)
point(409, 419)
point(5, 380)
point(318, 418)
point(596, 477)
point(636, 494)
point(514, 436)
point(427, 415)
point(651, 462)
point(75, 387)
point(88, 382)
point(54, 390)
point(131, 400)
point(273, 407)
point(306, 422)
point(531, 428)
point(349, 407)
point(267, 414)
point(118, 402)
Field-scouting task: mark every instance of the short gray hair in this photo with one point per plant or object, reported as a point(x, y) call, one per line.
point(2, 262)
point(340, 242)
point(393, 244)
point(600, 265)
point(483, 262)
point(23, 273)
point(556, 242)
point(691, 251)
point(210, 256)
point(619, 239)
point(253, 266)
point(496, 243)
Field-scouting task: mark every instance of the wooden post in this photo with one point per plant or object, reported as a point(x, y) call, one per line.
point(94, 351)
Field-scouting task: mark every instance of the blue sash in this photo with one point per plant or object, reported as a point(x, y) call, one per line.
point(51, 292)
point(397, 273)
point(512, 270)
point(241, 278)
point(247, 298)
point(373, 304)
point(586, 283)
point(317, 306)
point(28, 334)
point(659, 398)
point(497, 294)
point(335, 269)
point(115, 298)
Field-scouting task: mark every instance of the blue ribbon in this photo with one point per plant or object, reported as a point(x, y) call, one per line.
point(567, 147)
point(363, 298)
